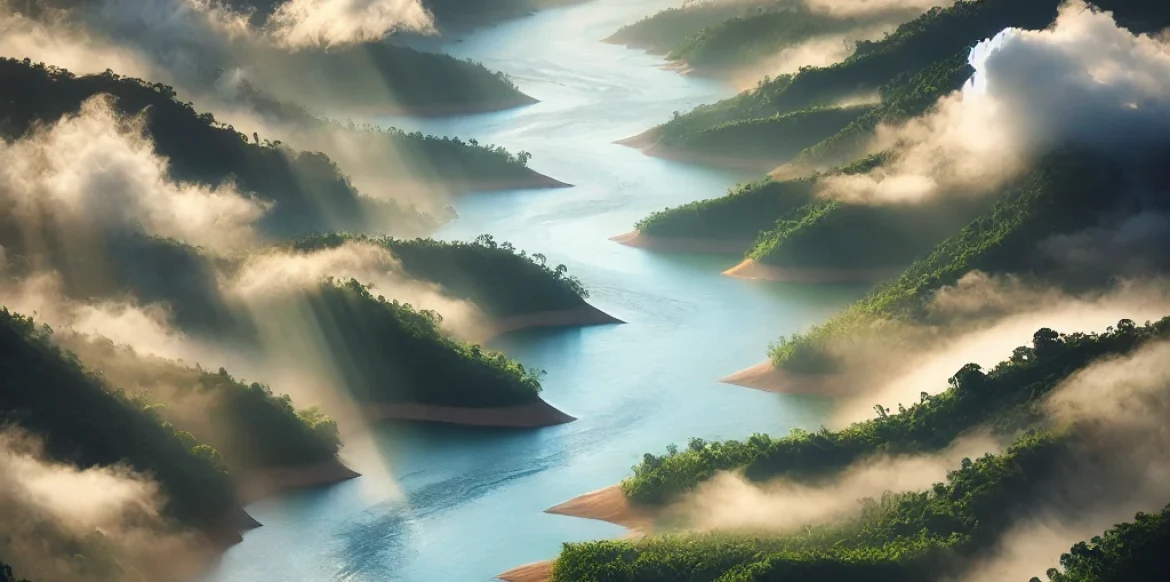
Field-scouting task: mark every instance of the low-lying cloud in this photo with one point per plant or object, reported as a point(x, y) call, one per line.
point(50, 512)
point(729, 502)
point(980, 319)
point(332, 23)
point(96, 172)
point(1086, 80)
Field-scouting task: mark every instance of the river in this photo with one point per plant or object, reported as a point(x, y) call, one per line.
point(466, 504)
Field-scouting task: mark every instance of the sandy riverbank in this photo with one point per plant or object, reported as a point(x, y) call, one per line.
point(264, 483)
point(535, 415)
point(766, 377)
point(580, 316)
point(750, 269)
point(534, 572)
point(639, 240)
point(609, 504)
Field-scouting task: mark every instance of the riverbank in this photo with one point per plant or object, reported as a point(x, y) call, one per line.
point(767, 378)
point(264, 483)
point(537, 414)
point(534, 572)
point(752, 269)
point(580, 316)
point(609, 505)
point(639, 240)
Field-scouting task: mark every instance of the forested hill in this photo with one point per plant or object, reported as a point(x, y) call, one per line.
point(396, 354)
point(928, 534)
point(880, 66)
point(250, 426)
point(385, 78)
point(50, 395)
point(309, 192)
point(496, 277)
point(662, 32)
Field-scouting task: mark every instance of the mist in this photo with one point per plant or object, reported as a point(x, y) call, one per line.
point(729, 502)
point(1118, 408)
point(980, 319)
point(95, 173)
point(51, 512)
point(1086, 81)
point(850, 8)
point(275, 274)
point(332, 23)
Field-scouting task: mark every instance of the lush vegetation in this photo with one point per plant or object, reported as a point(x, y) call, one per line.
point(1068, 191)
point(385, 77)
point(913, 536)
point(770, 140)
point(1004, 396)
point(251, 427)
point(86, 423)
point(1129, 551)
point(448, 160)
point(310, 193)
point(393, 353)
point(749, 40)
point(746, 211)
point(496, 277)
point(912, 47)
point(662, 32)
point(833, 234)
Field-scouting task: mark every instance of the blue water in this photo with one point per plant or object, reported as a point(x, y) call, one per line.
point(466, 504)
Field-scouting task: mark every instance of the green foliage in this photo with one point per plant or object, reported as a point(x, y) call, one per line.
point(1002, 396)
point(82, 422)
point(744, 212)
point(310, 193)
point(746, 40)
point(1129, 551)
point(387, 76)
point(664, 31)
point(497, 277)
point(449, 159)
point(1066, 192)
point(772, 140)
point(915, 536)
point(394, 353)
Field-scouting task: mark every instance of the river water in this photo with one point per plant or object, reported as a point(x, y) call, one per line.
point(466, 504)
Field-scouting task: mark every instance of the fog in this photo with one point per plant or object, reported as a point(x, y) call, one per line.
point(853, 8)
point(96, 173)
point(979, 320)
point(331, 23)
point(1118, 408)
point(729, 502)
point(1086, 81)
point(52, 512)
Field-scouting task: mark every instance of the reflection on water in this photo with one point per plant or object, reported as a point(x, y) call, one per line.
point(467, 504)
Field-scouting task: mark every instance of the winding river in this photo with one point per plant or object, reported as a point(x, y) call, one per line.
point(466, 504)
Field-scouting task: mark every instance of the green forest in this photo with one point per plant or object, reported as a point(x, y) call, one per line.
point(662, 32)
point(917, 535)
point(84, 422)
point(394, 353)
point(250, 426)
point(498, 278)
point(310, 193)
